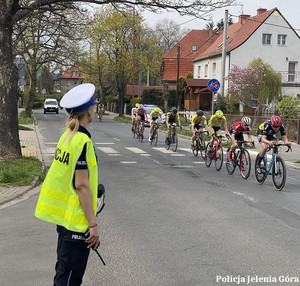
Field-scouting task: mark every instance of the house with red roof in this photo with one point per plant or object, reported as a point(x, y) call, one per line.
point(179, 59)
point(69, 79)
point(267, 35)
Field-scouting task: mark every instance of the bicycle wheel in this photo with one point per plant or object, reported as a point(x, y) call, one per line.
point(167, 143)
point(196, 147)
point(219, 158)
point(245, 164)
point(230, 165)
point(174, 142)
point(278, 174)
point(260, 170)
point(202, 147)
point(207, 158)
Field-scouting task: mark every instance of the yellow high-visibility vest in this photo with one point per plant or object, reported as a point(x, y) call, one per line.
point(58, 200)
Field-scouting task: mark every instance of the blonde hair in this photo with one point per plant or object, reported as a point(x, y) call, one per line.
point(72, 122)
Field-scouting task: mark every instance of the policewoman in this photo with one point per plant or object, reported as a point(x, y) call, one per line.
point(68, 196)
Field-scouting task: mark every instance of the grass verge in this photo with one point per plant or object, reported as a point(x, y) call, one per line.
point(20, 172)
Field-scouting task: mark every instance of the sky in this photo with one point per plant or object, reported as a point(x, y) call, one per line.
point(288, 8)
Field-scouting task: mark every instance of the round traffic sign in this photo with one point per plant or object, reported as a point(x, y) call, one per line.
point(213, 85)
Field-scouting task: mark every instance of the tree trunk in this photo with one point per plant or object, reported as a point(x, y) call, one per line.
point(30, 102)
point(9, 134)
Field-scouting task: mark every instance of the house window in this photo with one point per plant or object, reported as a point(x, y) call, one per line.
point(69, 82)
point(214, 68)
point(292, 72)
point(194, 48)
point(199, 71)
point(75, 73)
point(281, 40)
point(56, 82)
point(206, 70)
point(298, 96)
point(266, 39)
point(75, 82)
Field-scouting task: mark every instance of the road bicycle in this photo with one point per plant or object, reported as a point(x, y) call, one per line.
point(241, 159)
point(215, 154)
point(276, 167)
point(199, 144)
point(173, 140)
point(154, 135)
point(134, 129)
point(140, 131)
point(100, 114)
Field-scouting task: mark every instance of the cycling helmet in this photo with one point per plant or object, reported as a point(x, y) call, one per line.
point(246, 120)
point(156, 109)
point(137, 105)
point(199, 113)
point(219, 114)
point(141, 106)
point(275, 120)
point(174, 110)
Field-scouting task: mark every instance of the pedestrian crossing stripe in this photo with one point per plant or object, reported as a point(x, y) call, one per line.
point(104, 143)
point(163, 150)
point(136, 150)
point(128, 162)
point(108, 150)
point(177, 155)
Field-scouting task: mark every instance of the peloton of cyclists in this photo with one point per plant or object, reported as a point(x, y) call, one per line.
point(155, 113)
point(214, 125)
point(172, 117)
point(196, 124)
point(141, 116)
point(133, 115)
point(266, 135)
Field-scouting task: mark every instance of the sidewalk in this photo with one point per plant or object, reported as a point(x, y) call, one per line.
point(32, 142)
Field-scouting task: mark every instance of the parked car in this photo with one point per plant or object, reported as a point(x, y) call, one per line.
point(51, 105)
point(149, 109)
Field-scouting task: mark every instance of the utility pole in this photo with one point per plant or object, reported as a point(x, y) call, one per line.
point(177, 77)
point(133, 53)
point(224, 53)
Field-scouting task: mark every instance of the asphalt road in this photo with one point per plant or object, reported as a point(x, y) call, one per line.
point(168, 220)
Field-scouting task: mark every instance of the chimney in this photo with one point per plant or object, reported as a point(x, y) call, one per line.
point(243, 18)
point(261, 10)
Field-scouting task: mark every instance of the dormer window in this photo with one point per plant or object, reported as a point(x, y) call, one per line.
point(194, 48)
point(75, 73)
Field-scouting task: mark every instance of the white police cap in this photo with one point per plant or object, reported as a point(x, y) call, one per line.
point(78, 98)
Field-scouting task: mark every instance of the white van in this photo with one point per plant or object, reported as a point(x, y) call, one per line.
point(51, 105)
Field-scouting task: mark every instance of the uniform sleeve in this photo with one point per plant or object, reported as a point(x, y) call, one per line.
point(82, 163)
point(282, 130)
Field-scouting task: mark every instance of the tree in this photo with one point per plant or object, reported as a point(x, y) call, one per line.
point(289, 107)
point(13, 11)
point(168, 33)
point(256, 85)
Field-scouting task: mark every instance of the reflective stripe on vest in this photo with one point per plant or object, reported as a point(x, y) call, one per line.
point(58, 201)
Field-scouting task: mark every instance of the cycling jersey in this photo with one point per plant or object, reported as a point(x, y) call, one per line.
point(238, 127)
point(154, 115)
point(133, 111)
point(195, 120)
point(141, 111)
point(172, 117)
point(265, 129)
point(214, 122)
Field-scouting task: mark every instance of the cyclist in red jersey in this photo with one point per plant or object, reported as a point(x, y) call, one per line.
point(236, 132)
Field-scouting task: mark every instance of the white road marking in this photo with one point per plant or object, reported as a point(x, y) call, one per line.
point(163, 150)
point(50, 143)
point(199, 162)
point(146, 155)
point(117, 139)
point(108, 150)
point(128, 162)
point(244, 196)
point(104, 143)
point(177, 155)
point(136, 150)
point(185, 149)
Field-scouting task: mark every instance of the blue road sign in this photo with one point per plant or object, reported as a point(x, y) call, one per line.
point(213, 85)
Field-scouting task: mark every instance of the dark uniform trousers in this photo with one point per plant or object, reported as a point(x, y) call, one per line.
point(72, 256)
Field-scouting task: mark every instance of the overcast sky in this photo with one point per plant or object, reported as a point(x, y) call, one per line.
point(289, 9)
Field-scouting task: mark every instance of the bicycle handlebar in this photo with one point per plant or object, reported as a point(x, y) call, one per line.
point(289, 148)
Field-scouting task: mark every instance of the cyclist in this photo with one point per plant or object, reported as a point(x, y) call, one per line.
point(155, 113)
point(141, 116)
point(195, 125)
point(133, 115)
point(214, 125)
point(100, 110)
point(266, 134)
point(172, 117)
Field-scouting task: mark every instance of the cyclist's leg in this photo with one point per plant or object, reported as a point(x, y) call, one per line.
point(193, 129)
